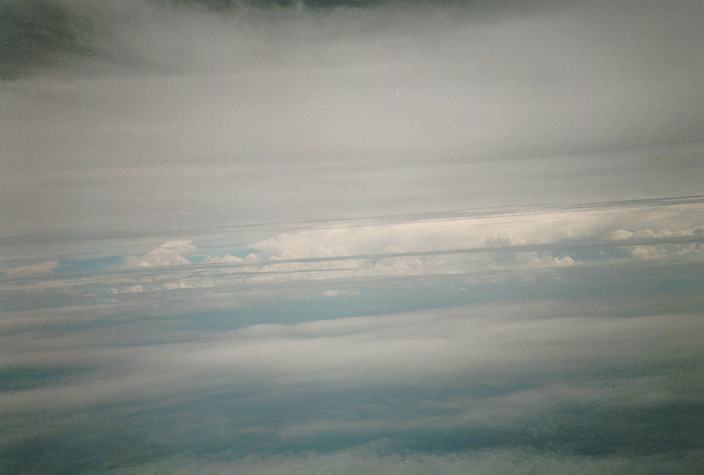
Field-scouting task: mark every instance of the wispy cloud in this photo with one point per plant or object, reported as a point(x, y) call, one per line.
point(30, 270)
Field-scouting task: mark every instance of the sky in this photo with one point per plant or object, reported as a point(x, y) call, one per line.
point(351, 236)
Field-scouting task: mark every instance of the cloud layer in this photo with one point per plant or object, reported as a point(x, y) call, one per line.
point(341, 236)
point(258, 115)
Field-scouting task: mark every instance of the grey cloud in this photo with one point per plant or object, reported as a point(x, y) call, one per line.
point(39, 34)
point(502, 368)
point(427, 347)
point(374, 460)
point(353, 112)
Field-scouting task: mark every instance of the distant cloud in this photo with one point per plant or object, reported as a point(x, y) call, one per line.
point(131, 289)
point(230, 259)
point(341, 293)
point(171, 253)
point(226, 259)
point(40, 268)
point(504, 234)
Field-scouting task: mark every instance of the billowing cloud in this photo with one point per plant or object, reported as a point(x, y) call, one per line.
point(250, 258)
point(527, 231)
point(171, 253)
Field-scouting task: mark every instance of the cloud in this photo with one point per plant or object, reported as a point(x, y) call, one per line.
point(35, 36)
point(665, 251)
point(31, 270)
point(131, 289)
point(240, 363)
point(455, 236)
point(269, 115)
point(171, 253)
point(187, 284)
point(511, 236)
point(340, 293)
point(226, 259)
point(483, 244)
point(440, 347)
point(480, 462)
point(230, 259)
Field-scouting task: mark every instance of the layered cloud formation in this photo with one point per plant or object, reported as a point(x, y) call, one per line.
point(342, 236)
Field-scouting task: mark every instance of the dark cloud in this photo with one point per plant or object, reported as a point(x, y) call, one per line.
point(43, 34)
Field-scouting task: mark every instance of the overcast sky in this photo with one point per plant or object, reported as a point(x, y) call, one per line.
point(401, 236)
point(154, 115)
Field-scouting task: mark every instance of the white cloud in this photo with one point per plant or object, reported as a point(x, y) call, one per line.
point(251, 258)
point(188, 284)
point(553, 261)
point(429, 235)
point(668, 251)
point(171, 253)
point(649, 233)
point(486, 233)
point(130, 289)
point(226, 259)
point(341, 293)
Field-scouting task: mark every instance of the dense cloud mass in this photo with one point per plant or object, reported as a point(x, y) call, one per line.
point(159, 116)
point(351, 236)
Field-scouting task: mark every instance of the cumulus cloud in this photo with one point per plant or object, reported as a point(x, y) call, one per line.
point(506, 234)
point(171, 253)
point(664, 251)
point(690, 251)
point(250, 258)
point(429, 235)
